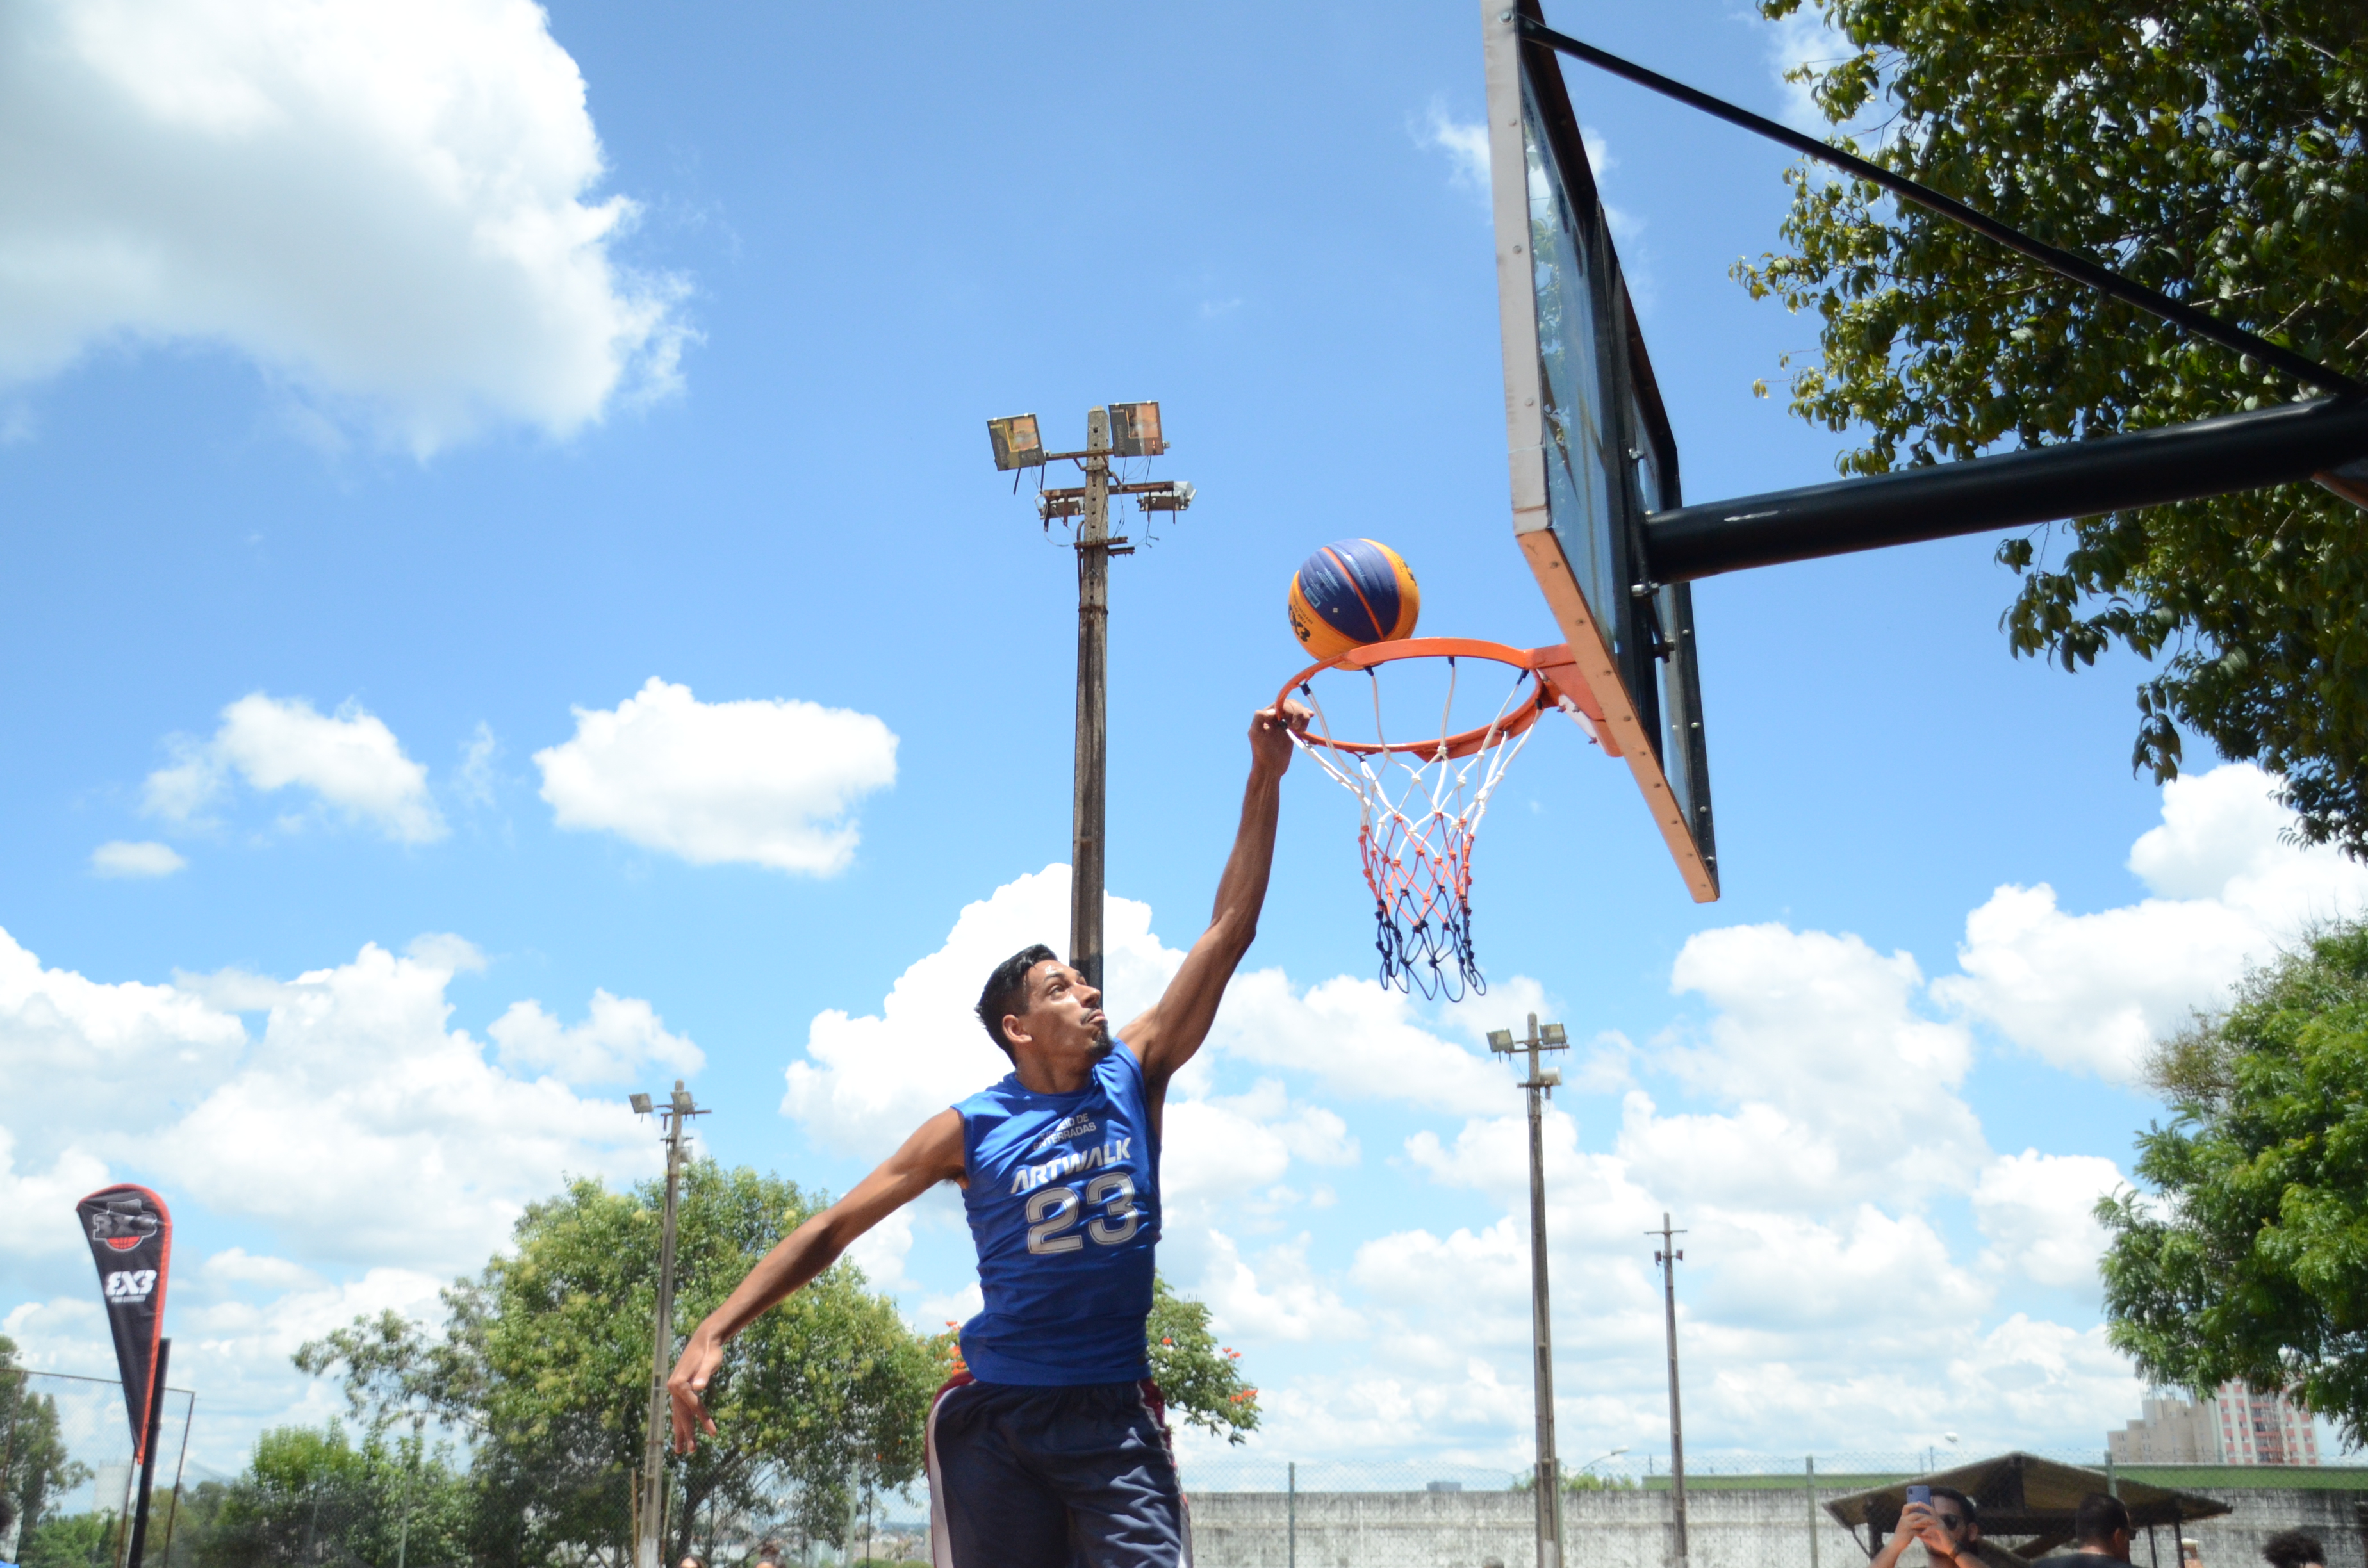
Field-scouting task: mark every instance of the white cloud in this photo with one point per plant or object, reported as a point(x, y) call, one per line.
point(2037, 1211)
point(2092, 992)
point(350, 760)
point(1803, 37)
point(868, 1081)
point(36, 1209)
point(1843, 1090)
point(618, 1036)
point(474, 781)
point(1360, 1039)
point(1465, 142)
point(120, 858)
point(354, 1125)
point(768, 783)
point(389, 208)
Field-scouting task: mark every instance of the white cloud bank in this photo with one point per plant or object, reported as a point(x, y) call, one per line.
point(766, 783)
point(355, 1123)
point(349, 760)
point(2090, 992)
point(389, 207)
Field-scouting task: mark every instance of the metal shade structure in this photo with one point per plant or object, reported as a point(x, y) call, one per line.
point(2022, 1494)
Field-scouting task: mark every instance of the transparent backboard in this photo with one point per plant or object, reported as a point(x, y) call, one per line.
point(1589, 445)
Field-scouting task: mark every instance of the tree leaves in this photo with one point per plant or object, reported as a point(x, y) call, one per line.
point(2212, 150)
point(2249, 1259)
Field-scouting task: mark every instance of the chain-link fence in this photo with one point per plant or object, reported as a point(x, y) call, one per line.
point(67, 1475)
point(1250, 1510)
point(316, 1498)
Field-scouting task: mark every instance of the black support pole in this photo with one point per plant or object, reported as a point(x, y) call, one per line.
point(148, 1456)
point(2285, 443)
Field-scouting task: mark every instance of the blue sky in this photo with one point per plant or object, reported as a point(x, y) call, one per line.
point(383, 413)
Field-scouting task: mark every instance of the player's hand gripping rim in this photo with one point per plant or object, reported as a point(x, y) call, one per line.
point(1271, 737)
point(685, 1385)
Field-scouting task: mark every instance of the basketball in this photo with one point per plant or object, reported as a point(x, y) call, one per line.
point(1349, 592)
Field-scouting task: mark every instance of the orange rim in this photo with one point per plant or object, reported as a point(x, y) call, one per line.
point(1369, 656)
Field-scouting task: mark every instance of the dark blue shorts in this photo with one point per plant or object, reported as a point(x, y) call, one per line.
point(1024, 1477)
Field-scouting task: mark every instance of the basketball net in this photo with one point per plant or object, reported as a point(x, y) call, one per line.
point(1419, 807)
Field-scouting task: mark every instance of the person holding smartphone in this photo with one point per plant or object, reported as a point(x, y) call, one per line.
point(1944, 1521)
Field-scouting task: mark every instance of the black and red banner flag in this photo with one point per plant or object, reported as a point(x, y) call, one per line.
point(131, 1241)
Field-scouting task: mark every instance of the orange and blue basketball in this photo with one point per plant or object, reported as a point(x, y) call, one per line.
point(1349, 592)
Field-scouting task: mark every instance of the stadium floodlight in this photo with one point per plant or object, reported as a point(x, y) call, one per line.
point(682, 1105)
point(1176, 497)
point(1016, 442)
point(1552, 1034)
point(640, 1104)
point(1134, 430)
point(1501, 1039)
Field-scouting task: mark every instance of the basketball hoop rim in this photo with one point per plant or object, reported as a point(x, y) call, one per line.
point(1370, 656)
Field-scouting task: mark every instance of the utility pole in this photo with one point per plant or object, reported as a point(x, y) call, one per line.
point(649, 1513)
point(1668, 1258)
point(1118, 430)
point(1540, 1084)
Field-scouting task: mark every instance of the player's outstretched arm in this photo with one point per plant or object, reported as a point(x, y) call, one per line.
point(1165, 1037)
point(932, 1154)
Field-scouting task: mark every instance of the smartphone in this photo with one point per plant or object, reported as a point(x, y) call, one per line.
point(1921, 1495)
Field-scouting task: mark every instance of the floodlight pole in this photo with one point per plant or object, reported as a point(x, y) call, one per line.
point(1668, 1257)
point(1126, 429)
point(1089, 813)
point(649, 1513)
point(1540, 1084)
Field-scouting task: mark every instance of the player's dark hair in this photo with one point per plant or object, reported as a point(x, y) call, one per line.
point(1007, 992)
point(1964, 1504)
point(2293, 1548)
point(2097, 1518)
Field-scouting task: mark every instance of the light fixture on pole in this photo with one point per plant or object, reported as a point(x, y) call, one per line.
point(1539, 1084)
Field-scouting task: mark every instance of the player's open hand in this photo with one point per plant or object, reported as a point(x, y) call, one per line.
point(1270, 735)
point(686, 1389)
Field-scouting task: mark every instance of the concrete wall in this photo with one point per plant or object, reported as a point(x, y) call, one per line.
point(1726, 1528)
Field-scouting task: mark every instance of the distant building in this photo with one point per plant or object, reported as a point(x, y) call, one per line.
point(2235, 1426)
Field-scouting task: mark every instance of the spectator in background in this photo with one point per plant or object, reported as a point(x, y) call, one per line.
point(2101, 1534)
point(1949, 1529)
point(768, 1554)
point(2293, 1549)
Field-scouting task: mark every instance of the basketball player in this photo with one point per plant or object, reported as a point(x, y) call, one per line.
point(1052, 1448)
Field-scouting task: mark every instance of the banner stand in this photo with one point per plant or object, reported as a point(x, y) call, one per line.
point(148, 1460)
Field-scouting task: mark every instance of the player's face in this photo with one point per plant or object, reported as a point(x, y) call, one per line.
point(1065, 1013)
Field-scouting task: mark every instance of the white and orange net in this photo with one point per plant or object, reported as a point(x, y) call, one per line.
point(1421, 803)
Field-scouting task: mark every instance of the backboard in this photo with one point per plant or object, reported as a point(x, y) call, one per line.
point(1589, 447)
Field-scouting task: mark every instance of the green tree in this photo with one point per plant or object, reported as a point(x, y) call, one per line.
point(309, 1494)
point(2249, 1258)
point(74, 1540)
point(34, 1463)
point(2213, 149)
point(1200, 1380)
point(545, 1364)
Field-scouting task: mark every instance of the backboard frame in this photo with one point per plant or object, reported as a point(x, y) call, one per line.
point(1633, 639)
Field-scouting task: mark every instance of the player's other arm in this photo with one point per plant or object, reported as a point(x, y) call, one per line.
point(1165, 1037)
point(932, 1154)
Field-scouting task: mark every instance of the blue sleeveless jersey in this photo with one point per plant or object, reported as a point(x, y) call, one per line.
point(1063, 1204)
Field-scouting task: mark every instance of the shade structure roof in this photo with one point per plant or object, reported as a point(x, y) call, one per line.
point(2022, 1494)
